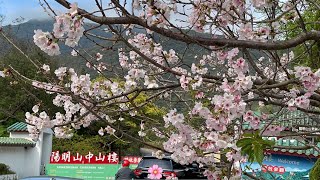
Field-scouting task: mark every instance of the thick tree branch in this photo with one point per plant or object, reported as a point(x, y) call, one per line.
point(278, 45)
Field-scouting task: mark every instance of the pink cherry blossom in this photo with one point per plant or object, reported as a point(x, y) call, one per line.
point(273, 130)
point(35, 108)
point(217, 85)
point(46, 68)
point(240, 66)
point(73, 9)
point(173, 117)
point(61, 72)
point(252, 119)
point(184, 81)
point(309, 80)
point(232, 53)
point(2, 74)
point(99, 56)
point(260, 3)
point(101, 131)
point(66, 25)
point(74, 53)
point(46, 42)
point(155, 172)
point(110, 130)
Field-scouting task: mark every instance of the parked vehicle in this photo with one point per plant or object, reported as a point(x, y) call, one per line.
point(49, 178)
point(193, 171)
point(170, 168)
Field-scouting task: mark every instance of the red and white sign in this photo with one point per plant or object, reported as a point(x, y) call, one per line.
point(275, 169)
point(67, 158)
point(132, 159)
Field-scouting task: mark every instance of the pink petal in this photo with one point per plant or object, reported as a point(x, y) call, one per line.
point(158, 176)
point(151, 176)
point(150, 170)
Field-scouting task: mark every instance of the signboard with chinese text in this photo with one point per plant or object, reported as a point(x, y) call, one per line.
point(83, 171)
point(88, 166)
point(273, 169)
point(281, 167)
point(132, 159)
point(67, 158)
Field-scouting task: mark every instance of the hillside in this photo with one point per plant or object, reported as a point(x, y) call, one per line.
point(22, 35)
point(24, 32)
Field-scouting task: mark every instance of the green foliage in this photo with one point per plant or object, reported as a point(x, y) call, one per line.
point(3, 131)
point(5, 169)
point(253, 146)
point(84, 143)
point(309, 52)
point(86, 139)
point(150, 110)
point(4, 125)
point(81, 144)
point(16, 96)
point(315, 171)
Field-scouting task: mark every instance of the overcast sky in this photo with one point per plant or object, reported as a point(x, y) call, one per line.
point(30, 9)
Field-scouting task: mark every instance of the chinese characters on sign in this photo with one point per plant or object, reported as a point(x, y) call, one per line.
point(67, 158)
point(275, 169)
point(132, 159)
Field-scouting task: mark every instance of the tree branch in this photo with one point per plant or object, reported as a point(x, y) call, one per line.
point(278, 45)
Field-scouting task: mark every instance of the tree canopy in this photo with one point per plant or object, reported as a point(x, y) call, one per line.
point(238, 56)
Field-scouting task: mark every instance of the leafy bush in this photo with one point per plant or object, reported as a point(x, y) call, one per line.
point(5, 169)
point(315, 171)
point(95, 144)
point(80, 143)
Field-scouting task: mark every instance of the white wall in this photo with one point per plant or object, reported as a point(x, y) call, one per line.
point(27, 161)
point(15, 158)
point(24, 161)
point(31, 162)
point(34, 157)
point(46, 149)
point(20, 135)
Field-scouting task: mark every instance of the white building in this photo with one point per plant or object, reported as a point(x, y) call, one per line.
point(23, 155)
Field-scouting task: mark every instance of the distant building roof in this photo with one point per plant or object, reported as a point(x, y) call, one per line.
point(298, 118)
point(293, 119)
point(293, 147)
point(8, 141)
point(18, 126)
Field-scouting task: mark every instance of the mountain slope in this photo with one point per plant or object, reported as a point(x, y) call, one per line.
point(25, 31)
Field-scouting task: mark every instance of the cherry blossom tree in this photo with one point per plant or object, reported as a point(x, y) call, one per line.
point(237, 58)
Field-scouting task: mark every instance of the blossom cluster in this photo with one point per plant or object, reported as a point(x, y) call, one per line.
point(67, 27)
point(157, 13)
point(310, 80)
point(273, 130)
point(253, 120)
point(223, 81)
